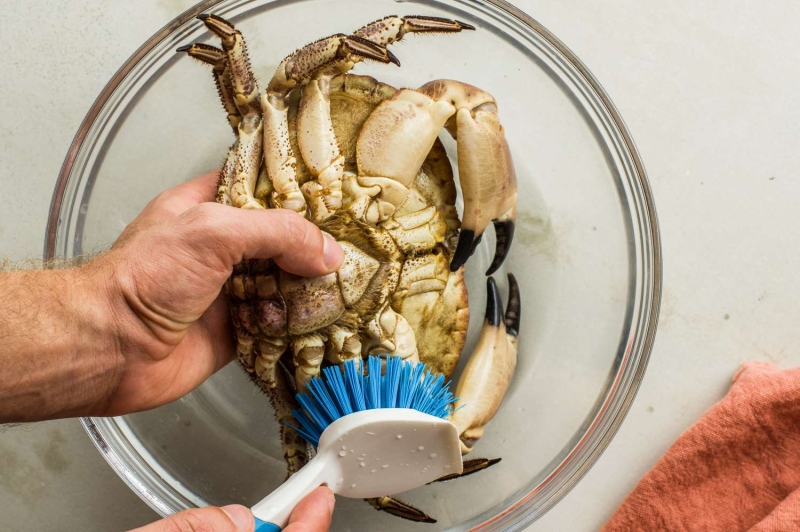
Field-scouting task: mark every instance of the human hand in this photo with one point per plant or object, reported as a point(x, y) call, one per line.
point(312, 514)
point(165, 275)
point(146, 322)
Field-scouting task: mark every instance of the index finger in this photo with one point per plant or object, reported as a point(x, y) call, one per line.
point(177, 200)
point(198, 190)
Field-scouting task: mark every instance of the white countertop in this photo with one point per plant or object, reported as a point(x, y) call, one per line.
point(710, 95)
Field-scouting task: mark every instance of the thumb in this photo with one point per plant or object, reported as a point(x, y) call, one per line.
point(233, 518)
point(297, 245)
point(313, 514)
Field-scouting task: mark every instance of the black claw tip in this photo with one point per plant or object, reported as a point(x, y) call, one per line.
point(203, 16)
point(504, 231)
point(494, 304)
point(392, 58)
point(514, 308)
point(463, 249)
point(475, 245)
point(465, 26)
point(184, 48)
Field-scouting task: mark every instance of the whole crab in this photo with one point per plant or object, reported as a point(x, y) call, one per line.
point(362, 161)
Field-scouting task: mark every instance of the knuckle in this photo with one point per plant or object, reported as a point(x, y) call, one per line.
point(305, 233)
point(202, 223)
point(203, 214)
point(164, 203)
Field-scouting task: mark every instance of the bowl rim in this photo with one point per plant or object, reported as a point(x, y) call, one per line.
point(516, 516)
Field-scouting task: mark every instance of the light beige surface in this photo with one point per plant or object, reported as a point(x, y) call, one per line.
point(710, 95)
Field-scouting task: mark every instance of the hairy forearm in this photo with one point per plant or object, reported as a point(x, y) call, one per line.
point(57, 356)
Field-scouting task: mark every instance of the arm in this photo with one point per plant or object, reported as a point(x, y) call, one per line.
point(146, 322)
point(57, 356)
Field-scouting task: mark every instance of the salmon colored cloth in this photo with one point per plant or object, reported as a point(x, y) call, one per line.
point(736, 469)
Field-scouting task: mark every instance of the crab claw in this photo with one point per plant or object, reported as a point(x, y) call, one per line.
point(486, 171)
point(487, 376)
point(488, 182)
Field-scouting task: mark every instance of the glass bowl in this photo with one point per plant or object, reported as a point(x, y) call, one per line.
point(586, 254)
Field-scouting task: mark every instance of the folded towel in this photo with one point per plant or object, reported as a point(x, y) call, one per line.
point(736, 469)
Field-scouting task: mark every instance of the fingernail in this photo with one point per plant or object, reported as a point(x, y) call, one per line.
point(332, 252)
point(241, 517)
point(331, 500)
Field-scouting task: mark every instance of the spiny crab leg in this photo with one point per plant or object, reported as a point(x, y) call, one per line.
point(241, 170)
point(488, 373)
point(218, 60)
point(242, 78)
point(393, 28)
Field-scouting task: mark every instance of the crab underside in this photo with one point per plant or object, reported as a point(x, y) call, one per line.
point(362, 160)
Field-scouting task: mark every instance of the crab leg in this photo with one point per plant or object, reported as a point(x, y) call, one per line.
point(245, 88)
point(218, 60)
point(282, 398)
point(391, 335)
point(487, 376)
point(239, 94)
point(398, 508)
point(393, 28)
point(320, 150)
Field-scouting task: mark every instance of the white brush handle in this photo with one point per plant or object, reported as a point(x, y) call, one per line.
point(276, 507)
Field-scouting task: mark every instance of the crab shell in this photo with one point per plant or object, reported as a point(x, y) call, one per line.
point(268, 302)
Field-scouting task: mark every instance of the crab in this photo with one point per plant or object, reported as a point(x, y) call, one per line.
point(363, 161)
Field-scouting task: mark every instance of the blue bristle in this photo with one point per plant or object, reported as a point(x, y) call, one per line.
point(321, 393)
point(374, 382)
point(354, 381)
point(391, 382)
point(333, 376)
point(341, 392)
point(307, 429)
point(310, 405)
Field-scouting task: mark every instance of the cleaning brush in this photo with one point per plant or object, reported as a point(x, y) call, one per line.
point(343, 391)
point(395, 418)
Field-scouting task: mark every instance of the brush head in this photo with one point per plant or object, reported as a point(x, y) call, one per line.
point(388, 451)
point(376, 434)
point(341, 392)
